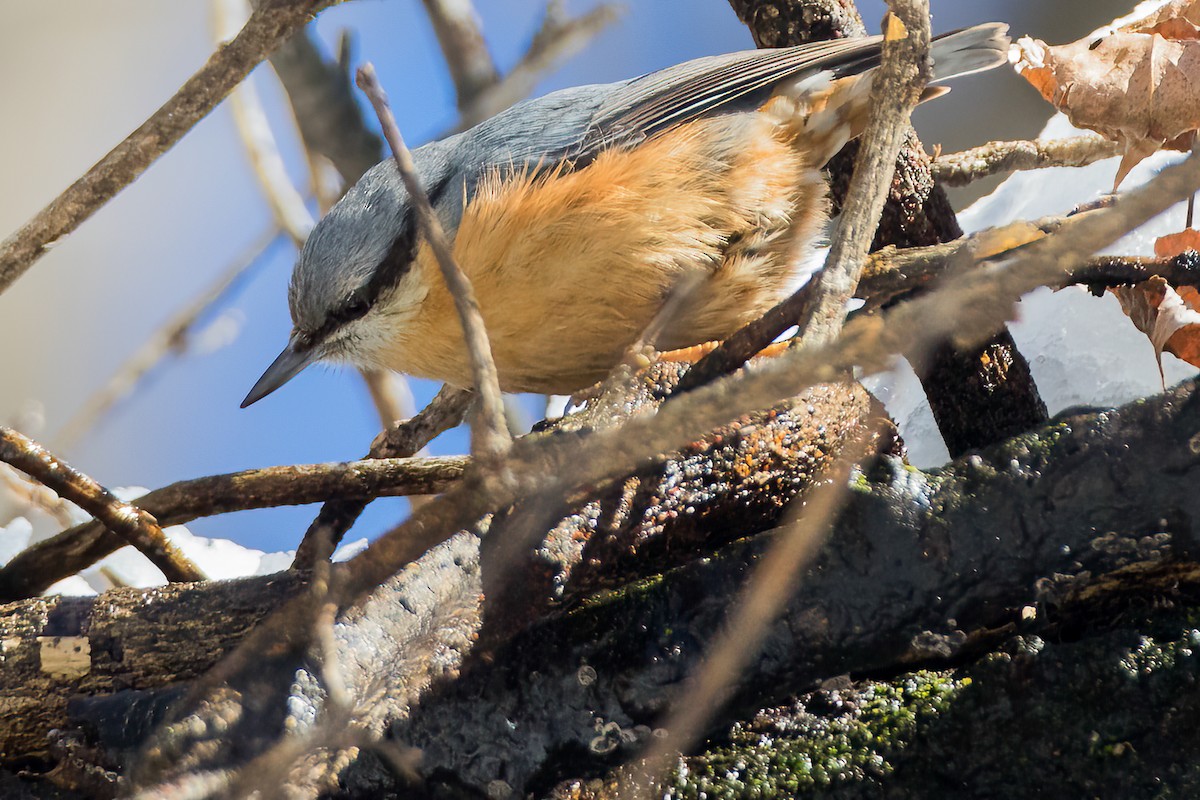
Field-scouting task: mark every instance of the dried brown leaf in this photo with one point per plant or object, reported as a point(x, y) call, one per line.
point(1139, 85)
point(1168, 317)
point(1173, 244)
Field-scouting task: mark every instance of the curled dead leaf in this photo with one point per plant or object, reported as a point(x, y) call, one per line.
point(1168, 317)
point(1138, 85)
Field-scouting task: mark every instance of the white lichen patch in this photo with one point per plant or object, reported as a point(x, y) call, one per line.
point(66, 657)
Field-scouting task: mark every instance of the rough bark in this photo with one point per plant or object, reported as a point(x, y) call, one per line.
point(898, 586)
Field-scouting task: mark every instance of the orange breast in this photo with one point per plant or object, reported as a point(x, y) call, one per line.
point(570, 266)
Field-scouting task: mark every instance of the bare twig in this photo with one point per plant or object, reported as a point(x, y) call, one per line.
point(490, 436)
point(266, 29)
point(27, 493)
point(764, 595)
point(61, 556)
point(401, 440)
point(170, 340)
point(460, 34)
point(993, 158)
point(748, 340)
point(559, 37)
point(135, 526)
point(321, 94)
point(254, 129)
point(892, 273)
point(895, 91)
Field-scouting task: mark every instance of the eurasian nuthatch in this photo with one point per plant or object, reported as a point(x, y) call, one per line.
point(574, 214)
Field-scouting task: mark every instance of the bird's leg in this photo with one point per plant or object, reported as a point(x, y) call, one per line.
point(690, 355)
point(640, 358)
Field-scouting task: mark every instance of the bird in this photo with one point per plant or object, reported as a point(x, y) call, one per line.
point(574, 214)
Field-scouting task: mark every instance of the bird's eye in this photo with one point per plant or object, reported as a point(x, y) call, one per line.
point(355, 308)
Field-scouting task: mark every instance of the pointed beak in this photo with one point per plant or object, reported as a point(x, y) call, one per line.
point(288, 365)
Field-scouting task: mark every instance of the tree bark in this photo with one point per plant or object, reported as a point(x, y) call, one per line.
point(924, 569)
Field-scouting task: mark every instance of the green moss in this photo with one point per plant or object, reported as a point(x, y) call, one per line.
point(778, 755)
point(1108, 715)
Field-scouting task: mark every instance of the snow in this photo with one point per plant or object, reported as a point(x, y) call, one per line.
point(1082, 349)
point(219, 558)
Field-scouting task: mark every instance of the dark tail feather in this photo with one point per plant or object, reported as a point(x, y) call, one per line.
point(969, 50)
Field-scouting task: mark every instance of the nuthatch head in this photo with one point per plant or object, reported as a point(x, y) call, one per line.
point(574, 214)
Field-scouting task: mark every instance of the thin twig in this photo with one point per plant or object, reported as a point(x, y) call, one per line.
point(490, 437)
point(893, 273)
point(254, 129)
point(135, 526)
point(559, 37)
point(749, 340)
point(170, 340)
point(895, 92)
point(993, 158)
point(402, 440)
point(27, 494)
point(460, 35)
point(266, 29)
point(61, 556)
point(819, 306)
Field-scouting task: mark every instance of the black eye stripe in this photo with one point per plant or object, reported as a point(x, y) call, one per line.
point(387, 275)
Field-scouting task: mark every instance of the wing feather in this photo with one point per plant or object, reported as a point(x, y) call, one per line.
point(718, 84)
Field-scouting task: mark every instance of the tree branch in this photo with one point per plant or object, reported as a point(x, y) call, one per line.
point(266, 29)
point(43, 564)
point(135, 526)
point(993, 158)
point(888, 595)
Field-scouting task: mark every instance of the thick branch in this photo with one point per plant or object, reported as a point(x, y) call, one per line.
point(921, 569)
point(897, 586)
point(266, 29)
